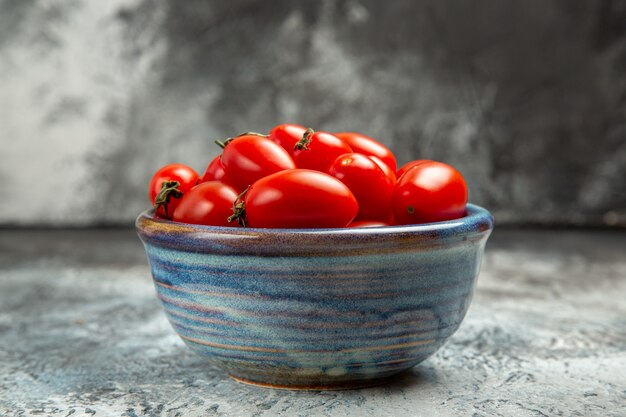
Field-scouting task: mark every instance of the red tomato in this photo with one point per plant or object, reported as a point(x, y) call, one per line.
point(168, 185)
point(367, 223)
point(287, 135)
point(429, 192)
point(388, 171)
point(404, 168)
point(369, 184)
point(368, 146)
point(209, 203)
point(317, 150)
point(299, 198)
point(215, 172)
point(248, 158)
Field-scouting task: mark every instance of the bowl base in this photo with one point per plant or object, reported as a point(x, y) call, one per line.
point(346, 385)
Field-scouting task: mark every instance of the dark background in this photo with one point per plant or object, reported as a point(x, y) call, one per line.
point(526, 98)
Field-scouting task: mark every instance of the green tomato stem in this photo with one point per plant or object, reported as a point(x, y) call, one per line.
point(168, 190)
point(303, 144)
point(239, 210)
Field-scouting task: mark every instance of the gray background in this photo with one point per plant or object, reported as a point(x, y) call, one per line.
point(527, 99)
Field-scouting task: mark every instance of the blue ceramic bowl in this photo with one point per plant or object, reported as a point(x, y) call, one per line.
point(315, 308)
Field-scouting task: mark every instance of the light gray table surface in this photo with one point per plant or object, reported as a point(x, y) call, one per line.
point(82, 333)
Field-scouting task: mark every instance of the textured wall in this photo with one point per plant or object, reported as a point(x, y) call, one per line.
point(527, 98)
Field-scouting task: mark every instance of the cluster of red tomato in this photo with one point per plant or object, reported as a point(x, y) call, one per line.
point(298, 178)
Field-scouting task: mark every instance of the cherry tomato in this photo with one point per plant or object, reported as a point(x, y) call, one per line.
point(429, 192)
point(209, 203)
point(317, 150)
point(368, 146)
point(369, 184)
point(404, 168)
point(388, 171)
point(215, 172)
point(287, 135)
point(248, 158)
point(299, 198)
point(168, 185)
point(367, 223)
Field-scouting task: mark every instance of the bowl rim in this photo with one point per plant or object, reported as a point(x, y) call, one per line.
point(475, 217)
point(474, 227)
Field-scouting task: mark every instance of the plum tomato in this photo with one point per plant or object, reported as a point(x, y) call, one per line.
point(368, 146)
point(287, 135)
point(429, 192)
point(298, 198)
point(388, 171)
point(372, 189)
point(215, 171)
point(409, 165)
point(168, 185)
point(208, 203)
point(367, 223)
point(250, 157)
point(317, 150)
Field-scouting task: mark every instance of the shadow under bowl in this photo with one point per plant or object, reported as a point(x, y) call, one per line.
point(315, 308)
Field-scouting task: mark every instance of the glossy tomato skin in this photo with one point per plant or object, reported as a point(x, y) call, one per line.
point(208, 203)
point(248, 158)
point(367, 223)
point(368, 146)
point(215, 172)
point(372, 189)
point(299, 198)
point(287, 135)
point(429, 192)
point(186, 176)
point(410, 165)
point(391, 174)
point(320, 151)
